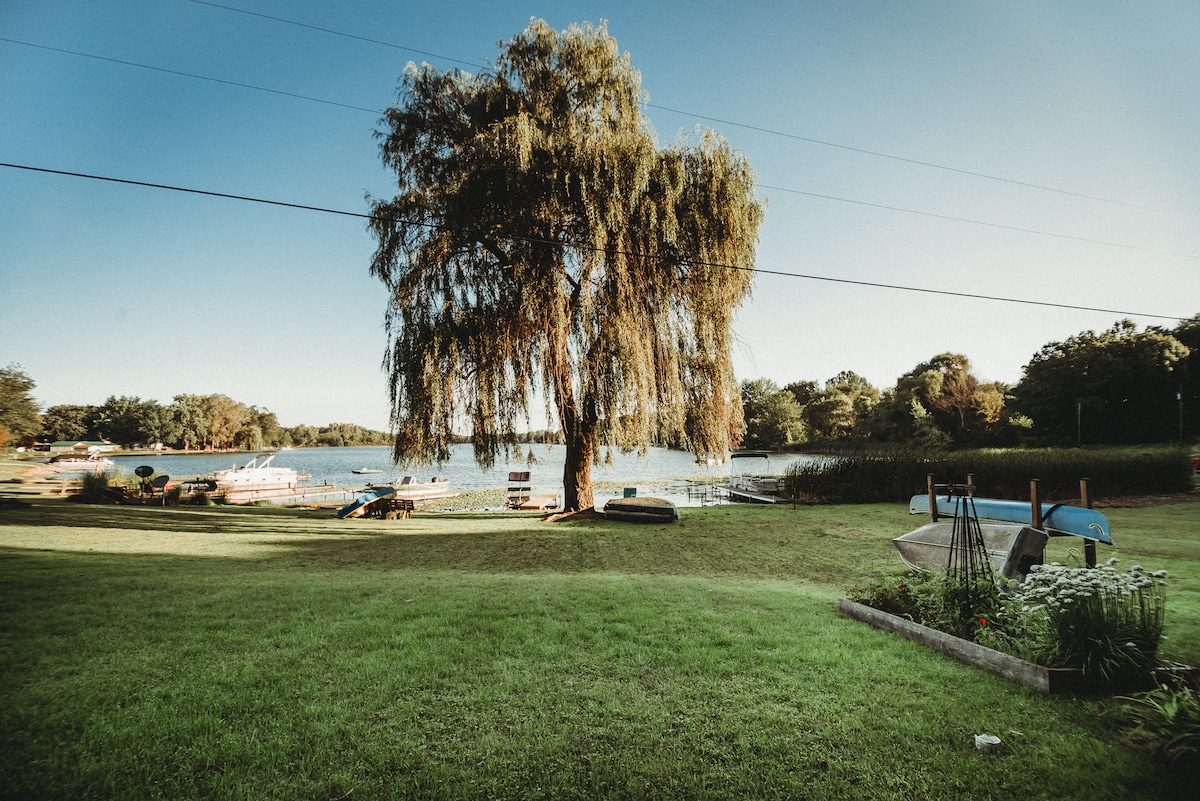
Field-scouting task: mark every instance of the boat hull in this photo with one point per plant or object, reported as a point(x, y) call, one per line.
point(1011, 549)
point(358, 507)
point(641, 510)
point(1057, 519)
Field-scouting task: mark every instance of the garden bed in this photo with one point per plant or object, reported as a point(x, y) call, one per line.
point(1039, 677)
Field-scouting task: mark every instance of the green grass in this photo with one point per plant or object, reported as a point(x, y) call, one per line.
point(263, 653)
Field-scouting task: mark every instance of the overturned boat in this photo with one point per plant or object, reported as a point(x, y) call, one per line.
point(1011, 549)
point(641, 510)
point(1013, 534)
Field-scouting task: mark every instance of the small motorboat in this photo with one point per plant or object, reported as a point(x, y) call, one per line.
point(641, 510)
point(363, 471)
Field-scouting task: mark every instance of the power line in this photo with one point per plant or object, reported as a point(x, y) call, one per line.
point(759, 270)
point(893, 157)
point(343, 34)
point(1002, 226)
point(864, 203)
point(745, 126)
point(189, 75)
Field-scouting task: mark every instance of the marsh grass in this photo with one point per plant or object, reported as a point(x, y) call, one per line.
point(265, 653)
point(896, 475)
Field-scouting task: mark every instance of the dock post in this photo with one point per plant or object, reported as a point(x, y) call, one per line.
point(933, 516)
point(1089, 546)
point(1035, 505)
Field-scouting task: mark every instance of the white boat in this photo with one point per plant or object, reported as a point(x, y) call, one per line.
point(255, 479)
point(751, 479)
point(91, 462)
point(409, 488)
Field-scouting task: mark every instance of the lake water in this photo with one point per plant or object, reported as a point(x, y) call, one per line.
point(336, 466)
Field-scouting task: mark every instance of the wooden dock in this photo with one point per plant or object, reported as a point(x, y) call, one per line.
point(539, 503)
point(746, 496)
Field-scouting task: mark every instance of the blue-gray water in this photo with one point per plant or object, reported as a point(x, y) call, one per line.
point(336, 465)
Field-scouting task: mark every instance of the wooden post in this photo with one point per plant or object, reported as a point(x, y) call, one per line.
point(1089, 546)
point(971, 484)
point(933, 517)
point(1035, 505)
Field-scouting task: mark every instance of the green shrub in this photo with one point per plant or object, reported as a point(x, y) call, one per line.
point(1167, 719)
point(1107, 623)
point(912, 596)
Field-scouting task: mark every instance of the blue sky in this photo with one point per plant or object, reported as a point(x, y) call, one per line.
point(107, 289)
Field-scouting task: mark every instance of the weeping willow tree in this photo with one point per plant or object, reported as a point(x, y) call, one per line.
point(542, 245)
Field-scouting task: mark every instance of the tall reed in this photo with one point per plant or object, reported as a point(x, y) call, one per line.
point(896, 475)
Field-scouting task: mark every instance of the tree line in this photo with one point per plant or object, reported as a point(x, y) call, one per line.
point(1118, 386)
point(189, 422)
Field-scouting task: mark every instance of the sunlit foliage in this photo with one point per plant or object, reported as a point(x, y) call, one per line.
point(542, 245)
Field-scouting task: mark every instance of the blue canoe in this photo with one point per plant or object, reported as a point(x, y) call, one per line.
point(1057, 518)
point(359, 506)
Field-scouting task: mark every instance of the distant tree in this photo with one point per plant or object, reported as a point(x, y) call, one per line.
point(121, 420)
point(840, 410)
point(268, 424)
point(773, 417)
point(543, 245)
point(303, 436)
point(1188, 334)
point(941, 402)
point(158, 424)
point(71, 422)
point(225, 418)
point(18, 410)
point(189, 415)
point(805, 392)
point(1118, 386)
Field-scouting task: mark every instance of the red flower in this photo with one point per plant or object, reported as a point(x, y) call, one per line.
point(983, 621)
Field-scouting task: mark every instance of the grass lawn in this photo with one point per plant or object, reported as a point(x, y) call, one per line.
point(259, 653)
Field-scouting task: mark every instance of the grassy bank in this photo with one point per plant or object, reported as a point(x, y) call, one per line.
point(264, 653)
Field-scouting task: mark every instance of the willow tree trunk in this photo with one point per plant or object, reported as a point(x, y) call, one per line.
point(578, 419)
point(577, 470)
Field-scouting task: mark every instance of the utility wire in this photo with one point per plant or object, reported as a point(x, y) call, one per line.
point(853, 201)
point(343, 34)
point(759, 270)
point(745, 126)
point(1002, 226)
point(189, 75)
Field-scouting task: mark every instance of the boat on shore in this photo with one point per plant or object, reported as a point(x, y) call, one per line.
point(410, 488)
point(363, 503)
point(1058, 519)
point(1011, 549)
point(641, 510)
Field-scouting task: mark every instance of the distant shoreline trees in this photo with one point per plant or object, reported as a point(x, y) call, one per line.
point(192, 422)
point(1119, 386)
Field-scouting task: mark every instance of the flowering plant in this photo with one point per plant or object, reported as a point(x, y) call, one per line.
point(1103, 621)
